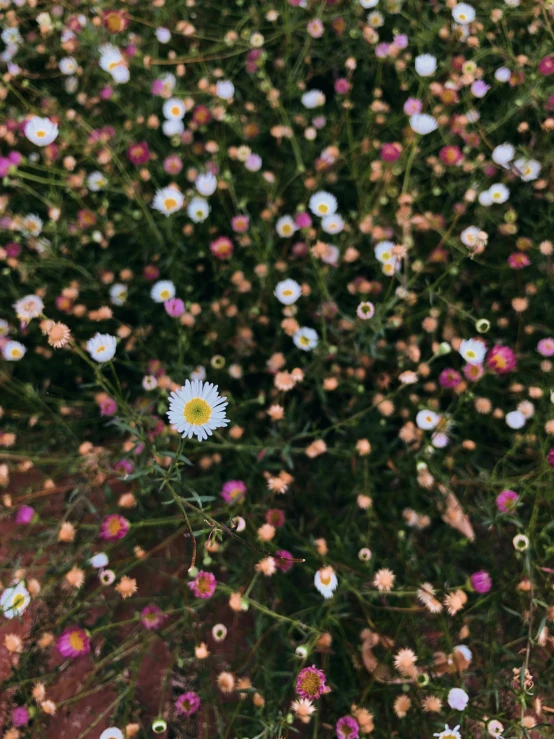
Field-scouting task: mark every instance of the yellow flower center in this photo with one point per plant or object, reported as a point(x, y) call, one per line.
point(304, 340)
point(41, 134)
point(471, 354)
point(203, 585)
point(322, 208)
point(287, 228)
point(114, 527)
point(386, 255)
point(311, 683)
point(16, 353)
point(197, 412)
point(286, 293)
point(76, 641)
point(175, 110)
point(462, 16)
point(101, 349)
point(170, 203)
point(325, 579)
point(165, 294)
point(18, 601)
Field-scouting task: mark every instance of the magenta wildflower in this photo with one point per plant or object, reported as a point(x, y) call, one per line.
point(108, 407)
point(152, 617)
point(412, 106)
point(518, 260)
point(545, 347)
point(473, 372)
point(481, 581)
point(546, 65)
point(550, 457)
point(114, 527)
point(390, 152)
point(449, 378)
point(151, 272)
point(203, 585)
point(173, 164)
point(20, 716)
point(281, 560)
point(451, 155)
point(347, 728)
point(187, 703)
point(506, 500)
point(240, 224)
point(382, 50)
point(310, 683)
point(275, 517)
point(73, 642)
point(501, 359)
point(222, 247)
point(303, 220)
point(139, 153)
point(24, 514)
point(342, 86)
point(233, 491)
point(174, 307)
point(479, 88)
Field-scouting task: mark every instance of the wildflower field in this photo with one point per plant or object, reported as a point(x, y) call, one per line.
point(276, 369)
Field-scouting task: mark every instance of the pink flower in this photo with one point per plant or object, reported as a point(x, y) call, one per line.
point(108, 407)
point(152, 617)
point(24, 514)
point(139, 153)
point(473, 372)
point(114, 527)
point(310, 683)
point(347, 728)
point(74, 642)
point(506, 500)
point(545, 347)
point(203, 585)
point(233, 491)
point(518, 260)
point(187, 703)
point(479, 88)
point(20, 716)
point(281, 560)
point(412, 106)
point(449, 378)
point(151, 272)
point(342, 86)
point(481, 582)
point(400, 41)
point(303, 220)
point(390, 152)
point(315, 28)
point(240, 224)
point(501, 359)
point(275, 517)
point(550, 457)
point(450, 155)
point(546, 65)
point(173, 164)
point(201, 115)
point(382, 50)
point(222, 247)
point(174, 307)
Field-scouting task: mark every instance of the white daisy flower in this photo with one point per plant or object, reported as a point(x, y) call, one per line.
point(198, 373)
point(502, 74)
point(529, 169)
point(96, 181)
point(449, 733)
point(427, 419)
point(163, 35)
point(383, 251)
point(13, 351)
point(118, 293)
point(323, 204)
point(285, 227)
point(326, 582)
point(197, 409)
point(463, 14)
point(495, 728)
point(499, 193)
point(31, 225)
point(368, 4)
point(112, 733)
point(423, 124)
point(313, 99)
point(485, 198)
point(390, 268)
point(512, 3)
point(440, 440)
point(102, 347)
point(470, 236)
point(149, 382)
point(503, 154)
point(305, 338)
point(472, 351)
point(162, 290)
point(41, 131)
point(288, 291)
point(71, 84)
point(206, 184)
point(4, 327)
point(14, 601)
point(425, 65)
point(457, 699)
point(515, 420)
point(11, 36)
point(375, 19)
point(68, 65)
point(111, 58)
point(173, 127)
point(198, 210)
point(31, 306)
point(168, 200)
point(99, 561)
point(224, 89)
point(331, 255)
point(332, 224)
point(174, 109)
